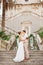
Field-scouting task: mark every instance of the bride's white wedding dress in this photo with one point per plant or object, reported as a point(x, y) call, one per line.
point(20, 52)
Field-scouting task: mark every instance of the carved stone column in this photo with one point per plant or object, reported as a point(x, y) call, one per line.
point(3, 14)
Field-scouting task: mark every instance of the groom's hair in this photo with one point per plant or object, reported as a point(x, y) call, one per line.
point(24, 31)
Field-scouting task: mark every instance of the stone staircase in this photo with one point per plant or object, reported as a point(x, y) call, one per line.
point(36, 58)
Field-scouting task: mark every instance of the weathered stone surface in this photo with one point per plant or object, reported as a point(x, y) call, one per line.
point(6, 58)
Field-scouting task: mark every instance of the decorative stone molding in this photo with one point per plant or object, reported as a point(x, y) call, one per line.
point(27, 1)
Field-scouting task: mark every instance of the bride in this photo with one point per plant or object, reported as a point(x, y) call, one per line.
point(20, 52)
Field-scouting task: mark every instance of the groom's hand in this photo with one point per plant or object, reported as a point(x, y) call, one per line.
point(27, 38)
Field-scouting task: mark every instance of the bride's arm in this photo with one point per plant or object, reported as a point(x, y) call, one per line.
point(21, 39)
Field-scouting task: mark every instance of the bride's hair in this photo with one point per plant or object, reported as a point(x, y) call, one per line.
point(19, 33)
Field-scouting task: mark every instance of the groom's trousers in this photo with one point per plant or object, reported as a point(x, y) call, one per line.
point(26, 49)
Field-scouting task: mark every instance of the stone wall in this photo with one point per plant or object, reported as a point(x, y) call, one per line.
point(14, 17)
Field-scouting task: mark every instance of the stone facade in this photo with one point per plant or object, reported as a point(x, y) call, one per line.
point(27, 1)
point(32, 13)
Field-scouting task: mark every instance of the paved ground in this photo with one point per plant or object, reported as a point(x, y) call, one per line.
point(6, 58)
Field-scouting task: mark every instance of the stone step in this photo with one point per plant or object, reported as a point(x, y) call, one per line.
point(30, 51)
point(36, 58)
point(14, 52)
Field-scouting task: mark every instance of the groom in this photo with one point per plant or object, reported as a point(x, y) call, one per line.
point(26, 46)
point(25, 43)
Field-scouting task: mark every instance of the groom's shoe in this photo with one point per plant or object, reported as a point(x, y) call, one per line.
point(26, 58)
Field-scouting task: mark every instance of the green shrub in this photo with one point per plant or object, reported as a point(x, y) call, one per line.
point(2, 33)
point(17, 36)
point(6, 37)
point(41, 34)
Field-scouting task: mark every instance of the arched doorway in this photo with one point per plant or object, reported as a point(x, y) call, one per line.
point(26, 25)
